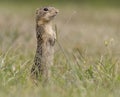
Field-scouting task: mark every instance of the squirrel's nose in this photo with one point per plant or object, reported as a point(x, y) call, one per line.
point(57, 11)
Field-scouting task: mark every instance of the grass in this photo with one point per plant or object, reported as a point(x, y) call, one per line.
point(86, 61)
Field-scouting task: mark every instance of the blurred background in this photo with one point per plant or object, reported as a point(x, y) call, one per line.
point(87, 57)
point(85, 24)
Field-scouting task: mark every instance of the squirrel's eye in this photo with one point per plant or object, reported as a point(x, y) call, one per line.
point(45, 9)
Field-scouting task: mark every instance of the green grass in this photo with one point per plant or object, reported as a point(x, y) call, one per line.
point(86, 62)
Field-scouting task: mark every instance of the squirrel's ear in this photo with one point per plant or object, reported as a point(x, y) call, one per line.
point(37, 10)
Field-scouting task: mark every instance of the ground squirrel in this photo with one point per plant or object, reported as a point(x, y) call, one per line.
point(45, 42)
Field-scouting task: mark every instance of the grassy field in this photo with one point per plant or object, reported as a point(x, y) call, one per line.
point(87, 57)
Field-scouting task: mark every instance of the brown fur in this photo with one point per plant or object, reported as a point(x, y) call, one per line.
point(45, 43)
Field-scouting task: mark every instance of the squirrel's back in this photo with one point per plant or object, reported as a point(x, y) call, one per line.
point(45, 42)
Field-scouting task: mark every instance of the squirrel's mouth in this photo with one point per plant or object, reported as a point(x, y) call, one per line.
point(54, 15)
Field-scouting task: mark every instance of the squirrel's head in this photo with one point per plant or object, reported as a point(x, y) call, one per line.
point(45, 14)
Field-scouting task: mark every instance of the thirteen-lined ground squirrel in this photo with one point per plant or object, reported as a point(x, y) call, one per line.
point(45, 42)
